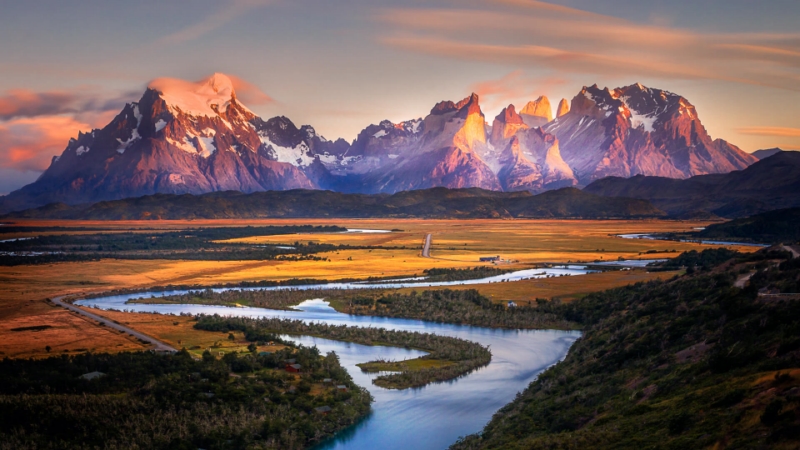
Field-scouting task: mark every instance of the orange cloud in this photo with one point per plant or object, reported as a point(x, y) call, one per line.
point(770, 131)
point(29, 144)
point(513, 87)
point(247, 93)
point(535, 34)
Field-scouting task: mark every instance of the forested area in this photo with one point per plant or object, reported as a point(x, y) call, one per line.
point(456, 357)
point(692, 362)
point(448, 274)
point(153, 401)
point(272, 299)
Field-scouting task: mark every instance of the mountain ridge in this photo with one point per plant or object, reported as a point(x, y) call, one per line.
point(436, 202)
point(772, 183)
point(183, 137)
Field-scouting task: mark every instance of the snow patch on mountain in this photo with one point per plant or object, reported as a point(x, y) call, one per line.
point(123, 145)
point(298, 155)
point(207, 147)
point(137, 115)
point(81, 150)
point(160, 125)
point(185, 145)
point(644, 121)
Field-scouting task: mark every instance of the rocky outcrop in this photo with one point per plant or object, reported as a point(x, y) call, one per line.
point(443, 149)
point(637, 130)
point(563, 107)
point(505, 126)
point(539, 108)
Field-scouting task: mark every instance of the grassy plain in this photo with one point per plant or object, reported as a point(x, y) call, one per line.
point(456, 243)
point(564, 288)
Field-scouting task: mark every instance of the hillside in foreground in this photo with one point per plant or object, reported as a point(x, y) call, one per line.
point(427, 203)
point(693, 362)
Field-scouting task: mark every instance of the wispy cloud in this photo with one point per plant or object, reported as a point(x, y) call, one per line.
point(534, 34)
point(770, 131)
point(28, 144)
point(227, 12)
point(17, 103)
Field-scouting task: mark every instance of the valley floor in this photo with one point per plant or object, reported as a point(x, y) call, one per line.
point(456, 243)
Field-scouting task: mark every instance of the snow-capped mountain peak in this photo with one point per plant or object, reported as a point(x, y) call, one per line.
point(209, 97)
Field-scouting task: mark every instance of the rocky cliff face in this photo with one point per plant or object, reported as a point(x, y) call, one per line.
point(563, 107)
point(195, 138)
point(178, 138)
point(637, 130)
point(537, 112)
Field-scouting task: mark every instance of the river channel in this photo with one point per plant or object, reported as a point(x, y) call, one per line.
point(431, 417)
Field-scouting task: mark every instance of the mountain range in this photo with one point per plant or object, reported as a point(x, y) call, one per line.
point(198, 137)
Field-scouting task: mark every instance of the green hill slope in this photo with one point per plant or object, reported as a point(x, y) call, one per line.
point(689, 363)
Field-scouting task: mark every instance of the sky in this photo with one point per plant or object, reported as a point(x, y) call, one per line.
point(342, 65)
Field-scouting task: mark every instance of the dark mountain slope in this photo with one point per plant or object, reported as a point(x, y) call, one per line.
point(780, 226)
point(769, 184)
point(436, 202)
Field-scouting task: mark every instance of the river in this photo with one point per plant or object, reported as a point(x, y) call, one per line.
point(431, 417)
point(655, 237)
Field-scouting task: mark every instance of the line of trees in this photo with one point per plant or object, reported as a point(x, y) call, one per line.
point(460, 355)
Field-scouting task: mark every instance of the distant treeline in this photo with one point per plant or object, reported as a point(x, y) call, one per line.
point(190, 244)
point(466, 307)
point(449, 274)
point(460, 356)
point(430, 203)
point(152, 401)
point(272, 299)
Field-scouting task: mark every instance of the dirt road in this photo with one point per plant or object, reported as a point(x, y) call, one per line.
point(426, 249)
point(159, 346)
point(741, 282)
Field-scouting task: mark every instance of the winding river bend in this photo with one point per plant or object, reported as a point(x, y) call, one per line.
point(431, 417)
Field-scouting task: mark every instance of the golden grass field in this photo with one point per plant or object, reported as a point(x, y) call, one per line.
point(456, 243)
point(564, 288)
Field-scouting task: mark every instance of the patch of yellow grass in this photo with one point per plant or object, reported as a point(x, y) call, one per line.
point(565, 288)
point(68, 333)
point(179, 332)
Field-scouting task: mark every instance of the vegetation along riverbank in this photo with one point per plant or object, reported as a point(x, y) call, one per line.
point(448, 358)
